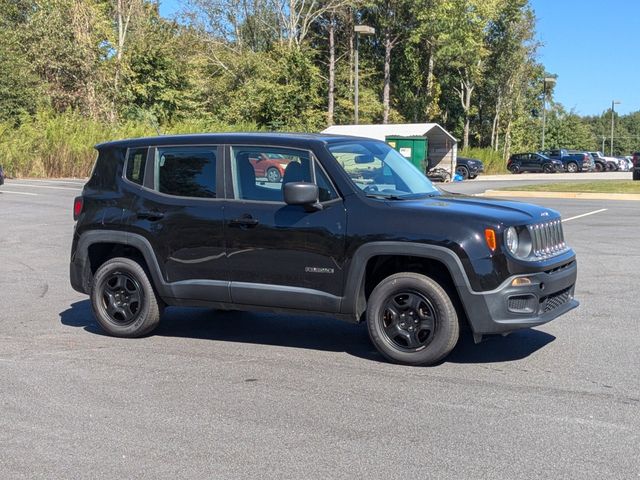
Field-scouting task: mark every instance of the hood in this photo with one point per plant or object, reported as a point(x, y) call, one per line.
point(491, 210)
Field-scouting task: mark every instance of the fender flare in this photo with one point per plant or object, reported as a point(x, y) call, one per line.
point(136, 241)
point(353, 300)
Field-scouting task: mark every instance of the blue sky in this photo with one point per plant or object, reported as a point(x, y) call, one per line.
point(591, 45)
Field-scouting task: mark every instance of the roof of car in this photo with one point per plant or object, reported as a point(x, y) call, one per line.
point(287, 139)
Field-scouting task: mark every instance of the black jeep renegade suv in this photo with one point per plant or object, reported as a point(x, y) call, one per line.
point(351, 230)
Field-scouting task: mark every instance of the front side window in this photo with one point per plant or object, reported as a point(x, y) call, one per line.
point(260, 172)
point(380, 171)
point(186, 171)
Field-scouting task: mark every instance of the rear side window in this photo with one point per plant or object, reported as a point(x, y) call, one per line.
point(136, 161)
point(186, 171)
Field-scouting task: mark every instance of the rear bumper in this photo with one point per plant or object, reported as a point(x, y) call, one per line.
point(507, 308)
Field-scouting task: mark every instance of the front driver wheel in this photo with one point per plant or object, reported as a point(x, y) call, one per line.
point(411, 319)
point(123, 300)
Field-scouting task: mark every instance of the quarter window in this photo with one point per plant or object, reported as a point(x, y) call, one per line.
point(136, 162)
point(186, 171)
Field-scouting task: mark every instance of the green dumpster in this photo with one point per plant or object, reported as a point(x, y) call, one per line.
point(413, 149)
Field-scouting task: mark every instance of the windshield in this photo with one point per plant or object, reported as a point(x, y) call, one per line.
point(380, 171)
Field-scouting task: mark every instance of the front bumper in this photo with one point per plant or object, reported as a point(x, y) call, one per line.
point(507, 308)
point(475, 169)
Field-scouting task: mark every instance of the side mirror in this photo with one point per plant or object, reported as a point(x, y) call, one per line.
point(302, 193)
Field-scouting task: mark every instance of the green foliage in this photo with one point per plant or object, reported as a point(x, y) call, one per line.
point(568, 130)
point(61, 145)
point(77, 72)
point(493, 161)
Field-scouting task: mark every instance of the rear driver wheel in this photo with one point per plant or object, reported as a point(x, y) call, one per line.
point(123, 299)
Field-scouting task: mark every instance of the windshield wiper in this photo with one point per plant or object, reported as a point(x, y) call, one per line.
point(415, 196)
point(384, 196)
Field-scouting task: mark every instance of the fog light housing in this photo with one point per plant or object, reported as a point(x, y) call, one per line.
point(521, 282)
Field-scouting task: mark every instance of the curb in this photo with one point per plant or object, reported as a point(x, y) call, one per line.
point(574, 195)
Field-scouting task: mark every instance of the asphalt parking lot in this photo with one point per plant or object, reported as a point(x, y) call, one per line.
point(245, 395)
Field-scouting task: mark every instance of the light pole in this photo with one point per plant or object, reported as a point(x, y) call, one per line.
point(365, 30)
point(613, 104)
point(545, 80)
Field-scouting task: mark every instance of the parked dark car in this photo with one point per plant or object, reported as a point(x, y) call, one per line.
point(353, 231)
point(636, 166)
point(1, 175)
point(469, 168)
point(533, 162)
point(573, 161)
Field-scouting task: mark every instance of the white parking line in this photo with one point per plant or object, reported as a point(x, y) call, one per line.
point(18, 193)
point(43, 180)
point(584, 215)
point(42, 186)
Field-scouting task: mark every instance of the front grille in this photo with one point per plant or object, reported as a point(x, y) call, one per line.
point(557, 299)
point(547, 239)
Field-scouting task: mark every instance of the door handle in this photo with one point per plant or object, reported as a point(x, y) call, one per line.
point(152, 216)
point(244, 222)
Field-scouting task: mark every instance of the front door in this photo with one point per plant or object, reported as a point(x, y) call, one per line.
point(280, 255)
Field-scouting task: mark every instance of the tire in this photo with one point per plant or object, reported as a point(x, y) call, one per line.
point(548, 168)
point(636, 174)
point(428, 331)
point(471, 177)
point(610, 167)
point(599, 167)
point(120, 281)
point(515, 169)
point(572, 167)
point(463, 172)
point(273, 175)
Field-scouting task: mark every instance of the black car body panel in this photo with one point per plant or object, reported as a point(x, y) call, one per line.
point(227, 252)
point(533, 162)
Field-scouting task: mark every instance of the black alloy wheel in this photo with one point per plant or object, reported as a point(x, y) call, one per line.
point(463, 172)
point(547, 168)
point(515, 169)
point(409, 321)
point(122, 298)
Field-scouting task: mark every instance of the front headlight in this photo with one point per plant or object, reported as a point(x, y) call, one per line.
point(518, 242)
point(511, 237)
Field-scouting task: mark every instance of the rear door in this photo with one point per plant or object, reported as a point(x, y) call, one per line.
point(179, 212)
point(280, 255)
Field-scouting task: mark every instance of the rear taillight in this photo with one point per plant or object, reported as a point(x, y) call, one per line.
point(78, 203)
